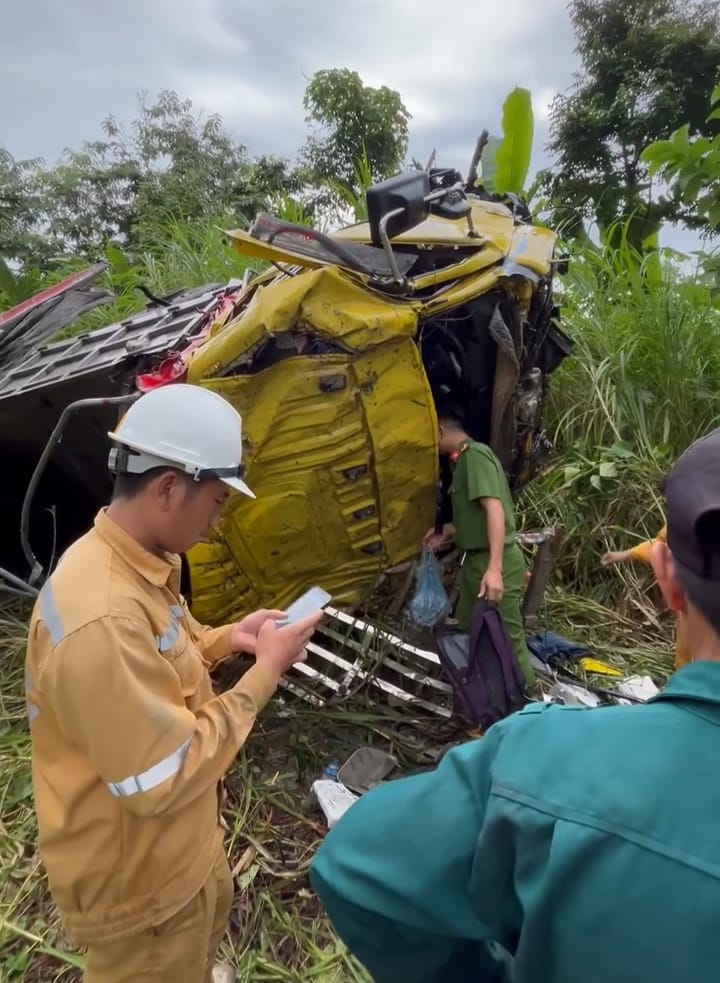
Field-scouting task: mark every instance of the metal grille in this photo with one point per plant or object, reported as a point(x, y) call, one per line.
point(349, 654)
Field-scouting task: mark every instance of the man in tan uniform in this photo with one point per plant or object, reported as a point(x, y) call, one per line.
point(129, 743)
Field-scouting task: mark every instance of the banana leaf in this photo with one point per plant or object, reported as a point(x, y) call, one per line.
point(512, 158)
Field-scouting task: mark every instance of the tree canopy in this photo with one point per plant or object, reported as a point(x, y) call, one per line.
point(175, 163)
point(646, 69)
point(693, 165)
point(171, 161)
point(353, 122)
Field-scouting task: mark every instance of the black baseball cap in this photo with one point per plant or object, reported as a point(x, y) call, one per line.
point(692, 493)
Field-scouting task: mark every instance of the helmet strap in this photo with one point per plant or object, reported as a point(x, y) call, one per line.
point(119, 459)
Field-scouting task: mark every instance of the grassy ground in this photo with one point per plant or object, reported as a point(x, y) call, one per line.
point(277, 931)
point(642, 385)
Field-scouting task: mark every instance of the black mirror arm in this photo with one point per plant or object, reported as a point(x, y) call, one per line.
point(385, 239)
point(397, 212)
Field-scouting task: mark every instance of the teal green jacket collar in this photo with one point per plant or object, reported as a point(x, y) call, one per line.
point(698, 683)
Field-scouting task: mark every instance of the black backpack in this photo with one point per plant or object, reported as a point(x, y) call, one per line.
point(482, 667)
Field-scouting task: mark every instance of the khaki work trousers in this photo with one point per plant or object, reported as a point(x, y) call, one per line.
point(182, 950)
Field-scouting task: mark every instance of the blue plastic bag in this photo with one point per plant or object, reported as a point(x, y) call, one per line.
point(430, 603)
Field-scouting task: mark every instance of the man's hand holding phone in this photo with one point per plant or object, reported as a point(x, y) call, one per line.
point(279, 648)
point(281, 640)
point(245, 632)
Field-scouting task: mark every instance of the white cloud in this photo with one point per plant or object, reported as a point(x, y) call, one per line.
point(542, 100)
point(218, 94)
point(74, 64)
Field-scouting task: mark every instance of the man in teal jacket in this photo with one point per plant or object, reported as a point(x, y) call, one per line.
point(568, 845)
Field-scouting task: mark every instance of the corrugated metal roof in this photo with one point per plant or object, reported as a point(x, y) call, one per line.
point(153, 331)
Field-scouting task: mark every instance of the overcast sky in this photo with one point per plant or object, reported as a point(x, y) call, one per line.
point(65, 66)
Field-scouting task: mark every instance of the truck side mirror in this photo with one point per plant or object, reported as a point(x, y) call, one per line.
point(396, 205)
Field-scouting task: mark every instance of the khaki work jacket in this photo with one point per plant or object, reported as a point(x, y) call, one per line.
point(129, 744)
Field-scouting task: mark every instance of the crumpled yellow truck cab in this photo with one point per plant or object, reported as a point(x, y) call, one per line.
point(340, 445)
point(337, 356)
point(333, 377)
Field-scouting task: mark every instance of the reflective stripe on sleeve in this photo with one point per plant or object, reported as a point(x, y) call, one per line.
point(166, 641)
point(154, 776)
point(49, 614)
point(32, 709)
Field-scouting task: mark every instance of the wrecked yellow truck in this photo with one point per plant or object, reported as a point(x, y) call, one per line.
point(336, 355)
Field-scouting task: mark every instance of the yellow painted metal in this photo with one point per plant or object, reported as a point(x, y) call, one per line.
point(499, 241)
point(344, 480)
point(468, 265)
point(493, 222)
point(326, 302)
point(341, 448)
point(246, 245)
point(600, 668)
point(531, 248)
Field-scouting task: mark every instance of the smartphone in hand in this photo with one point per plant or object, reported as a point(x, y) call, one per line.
point(311, 601)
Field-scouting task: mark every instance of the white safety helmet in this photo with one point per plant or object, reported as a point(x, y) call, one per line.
point(185, 427)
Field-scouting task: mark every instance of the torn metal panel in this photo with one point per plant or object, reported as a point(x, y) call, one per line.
point(280, 242)
point(341, 450)
point(104, 350)
point(323, 303)
point(39, 318)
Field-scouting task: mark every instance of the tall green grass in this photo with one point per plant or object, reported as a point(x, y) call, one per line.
point(183, 255)
point(644, 382)
point(178, 256)
point(175, 255)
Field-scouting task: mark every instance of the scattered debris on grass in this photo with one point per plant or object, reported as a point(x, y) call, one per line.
point(278, 931)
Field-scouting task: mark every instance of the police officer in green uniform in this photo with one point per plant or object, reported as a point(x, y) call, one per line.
point(569, 844)
point(484, 527)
